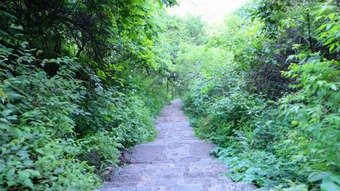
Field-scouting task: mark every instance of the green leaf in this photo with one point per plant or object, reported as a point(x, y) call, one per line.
point(10, 174)
point(24, 44)
point(51, 60)
point(160, 3)
point(58, 170)
point(328, 185)
point(291, 57)
point(329, 26)
point(28, 162)
point(318, 176)
point(333, 87)
point(331, 47)
point(40, 151)
point(82, 92)
point(28, 183)
point(335, 178)
point(2, 93)
point(2, 166)
point(23, 175)
point(6, 112)
point(107, 118)
point(18, 27)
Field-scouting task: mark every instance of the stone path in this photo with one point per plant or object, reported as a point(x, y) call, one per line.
point(175, 161)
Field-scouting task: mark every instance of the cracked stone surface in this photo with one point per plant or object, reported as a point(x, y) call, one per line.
point(175, 161)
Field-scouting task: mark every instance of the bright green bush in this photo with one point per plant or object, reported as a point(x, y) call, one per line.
point(292, 141)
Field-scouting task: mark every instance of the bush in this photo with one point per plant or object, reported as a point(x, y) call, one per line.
point(37, 149)
point(50, 122)
point(63, 125)
point(101, 151)
point(289, 144)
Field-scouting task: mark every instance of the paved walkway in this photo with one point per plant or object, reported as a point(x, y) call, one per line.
point(175, 161)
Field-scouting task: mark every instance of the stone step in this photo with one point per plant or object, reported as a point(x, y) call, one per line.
point(169, 185)
point(169, 180)
point(167, 175)
point(172, 187)
point(178, 125)
point(185, 168)
point(175, 161)
point(170, 151)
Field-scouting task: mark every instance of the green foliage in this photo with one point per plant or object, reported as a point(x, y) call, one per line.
point(316, 107)
point(90, 89)
point(37, 151)
point(262, 168)
point(126, 115)
point(101, 150)
point(271, 103)
point(328, 33)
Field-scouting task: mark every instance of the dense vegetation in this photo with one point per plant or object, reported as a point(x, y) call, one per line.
point(265, 88)
point(79, 82)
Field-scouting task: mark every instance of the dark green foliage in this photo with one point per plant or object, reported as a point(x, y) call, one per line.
point(79, 82)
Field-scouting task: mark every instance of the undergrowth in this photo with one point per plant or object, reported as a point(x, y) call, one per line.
point(62, 124)
point(272, 109)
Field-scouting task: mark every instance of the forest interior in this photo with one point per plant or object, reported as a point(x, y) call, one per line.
point(83, 80)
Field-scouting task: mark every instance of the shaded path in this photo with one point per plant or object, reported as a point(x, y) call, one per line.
point(175, 161)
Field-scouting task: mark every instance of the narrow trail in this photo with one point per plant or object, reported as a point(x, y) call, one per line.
point(175, 161)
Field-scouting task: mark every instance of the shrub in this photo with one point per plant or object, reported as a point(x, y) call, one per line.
point(37, 149)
